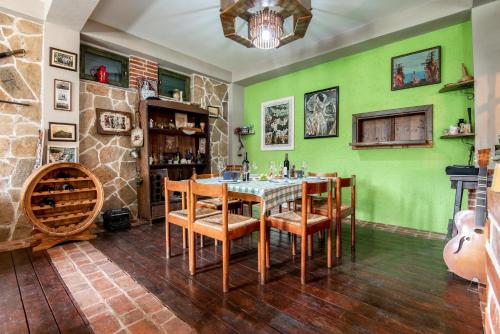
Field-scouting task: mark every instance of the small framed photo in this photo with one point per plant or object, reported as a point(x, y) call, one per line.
point(63, 59)
point(62, 95)
point(213, 111)
point(181, 120)
point(62, 154)
point(110, 122)
point(62, 132)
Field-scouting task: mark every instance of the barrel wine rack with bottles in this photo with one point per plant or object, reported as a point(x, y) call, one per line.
point(62, 201)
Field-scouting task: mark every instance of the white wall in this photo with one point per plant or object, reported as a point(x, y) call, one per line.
point(486, 46)
point(60, 37)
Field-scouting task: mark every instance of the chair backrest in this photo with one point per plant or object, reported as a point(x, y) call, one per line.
point(315, 188)
point(348, 182)
point(208, 190)
point(234, 168)
point(328, 175)
point(175, 186)
point(202, 176)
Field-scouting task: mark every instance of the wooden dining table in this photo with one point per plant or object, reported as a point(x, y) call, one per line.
point(269, 194)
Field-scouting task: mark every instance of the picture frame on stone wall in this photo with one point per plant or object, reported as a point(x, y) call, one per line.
point(110, 122)
point(62, 95)
point(277, 124)
point(65, 60)
point(61, 154)
point(65, 132)
point(213, 112)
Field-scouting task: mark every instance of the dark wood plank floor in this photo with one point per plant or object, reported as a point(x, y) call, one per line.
point(395, 284)
point(33, 298)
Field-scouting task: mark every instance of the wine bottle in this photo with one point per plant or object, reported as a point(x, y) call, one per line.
point(246, 168)
point(286, 166)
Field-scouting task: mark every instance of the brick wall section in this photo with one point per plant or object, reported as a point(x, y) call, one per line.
point(140, 67)
point(492, 311)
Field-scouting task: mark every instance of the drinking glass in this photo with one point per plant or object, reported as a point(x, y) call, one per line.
point(253, 167)
point(220, 167)
point(272, 169)
point(304, 167)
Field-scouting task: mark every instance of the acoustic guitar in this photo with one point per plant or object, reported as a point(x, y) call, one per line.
point(465, 254)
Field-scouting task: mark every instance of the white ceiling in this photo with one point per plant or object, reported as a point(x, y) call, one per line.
point(193, 26)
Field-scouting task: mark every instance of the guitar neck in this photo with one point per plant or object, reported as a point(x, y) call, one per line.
point(482, 186)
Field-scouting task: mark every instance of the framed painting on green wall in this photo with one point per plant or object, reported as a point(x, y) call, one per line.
point(321, 113)
point(277, 124)
point(419, 68)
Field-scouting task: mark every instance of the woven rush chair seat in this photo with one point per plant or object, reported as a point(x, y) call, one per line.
point(234, 221)
point(216, 203)
point(295, 218)
point(200, 213)
point(322, 209)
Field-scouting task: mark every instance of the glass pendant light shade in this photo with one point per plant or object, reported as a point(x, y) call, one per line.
point(266, 29)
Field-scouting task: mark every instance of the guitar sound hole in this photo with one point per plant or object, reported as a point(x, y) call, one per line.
point(478, 231)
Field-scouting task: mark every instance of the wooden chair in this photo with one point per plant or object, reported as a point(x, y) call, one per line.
point(318, 200)
point(179, 217)
point(305, 223)
point(235, 205)
point(341, 211)
point(224, 226)
point(234, 168)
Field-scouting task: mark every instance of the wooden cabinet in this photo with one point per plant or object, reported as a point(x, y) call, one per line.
point(393, 128)
point(165, 141)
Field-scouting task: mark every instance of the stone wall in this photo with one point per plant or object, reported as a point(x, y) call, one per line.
point(108, 155)
point(19, 125)
point(210, 92)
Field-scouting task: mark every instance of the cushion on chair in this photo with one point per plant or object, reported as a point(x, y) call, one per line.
point(200, 213)
point(234, 221)
point(292, 217)
point(216, 203)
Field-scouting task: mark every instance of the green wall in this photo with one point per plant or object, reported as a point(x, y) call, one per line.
point(401, 186)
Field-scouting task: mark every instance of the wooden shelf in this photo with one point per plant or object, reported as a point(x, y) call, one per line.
point(49, 219)
point(457, 86)
point(462, 135)
point(175, 132)
point(62, 192)
point(175, 106)
point(64, 204)
point(62, 180)
point(390, 143)
point(175, 166)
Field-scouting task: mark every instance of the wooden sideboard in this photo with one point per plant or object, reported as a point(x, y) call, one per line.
point(492, 311)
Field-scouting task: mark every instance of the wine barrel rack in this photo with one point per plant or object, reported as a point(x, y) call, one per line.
point(62, 201)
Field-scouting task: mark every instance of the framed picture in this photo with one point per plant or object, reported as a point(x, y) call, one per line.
point(213, 111)
point(147, 88)
point(62, 95)
point(63, 59)
point(181, 120)
point(62, 132)
point(110, 122)
point(416, 69)
point(62, 154)
point(277, 124)
point(321, 113)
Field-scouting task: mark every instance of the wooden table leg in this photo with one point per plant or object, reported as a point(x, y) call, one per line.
point(262, 255)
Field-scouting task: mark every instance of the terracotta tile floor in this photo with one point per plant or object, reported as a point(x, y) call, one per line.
point(111, 300)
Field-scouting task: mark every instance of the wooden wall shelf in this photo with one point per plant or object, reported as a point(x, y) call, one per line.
point(462, 135)
point(457, 86)
point(404, 127)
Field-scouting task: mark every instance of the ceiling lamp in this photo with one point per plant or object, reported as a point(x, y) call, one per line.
point(265, 20)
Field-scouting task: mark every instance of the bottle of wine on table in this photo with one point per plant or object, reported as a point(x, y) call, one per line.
point(286, 166)
point(246, 168)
